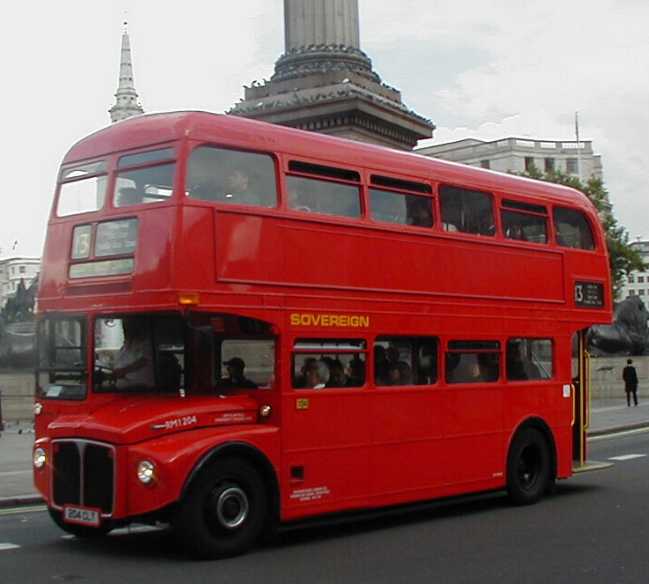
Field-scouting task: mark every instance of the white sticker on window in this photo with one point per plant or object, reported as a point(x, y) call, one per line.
point(54, 391)
point(566, 390)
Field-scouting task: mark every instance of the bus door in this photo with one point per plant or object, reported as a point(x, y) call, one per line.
point(325, 435)
point(581, 392)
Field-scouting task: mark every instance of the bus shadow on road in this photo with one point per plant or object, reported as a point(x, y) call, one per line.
point(143, 543)
point(467, 506)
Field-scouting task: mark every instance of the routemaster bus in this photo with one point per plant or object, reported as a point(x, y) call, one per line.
point(243, 325)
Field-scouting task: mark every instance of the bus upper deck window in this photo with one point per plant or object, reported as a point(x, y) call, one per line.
point(83, 189)
point(232, 177)
point(392, 207)
point(149, 184)
point(572, 229)
point(321, 196)
point(467, 211)
point(524, 221)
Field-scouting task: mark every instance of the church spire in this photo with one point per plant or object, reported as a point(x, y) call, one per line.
point(126, 98)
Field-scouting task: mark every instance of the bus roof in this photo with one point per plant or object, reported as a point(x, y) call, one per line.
point(160, 128)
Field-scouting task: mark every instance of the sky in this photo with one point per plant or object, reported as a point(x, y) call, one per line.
point(477, 69)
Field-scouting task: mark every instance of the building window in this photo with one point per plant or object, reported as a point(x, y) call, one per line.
point(549, 165)
point(641, 292)
point(22, 269)
point(485, 164)
point(631, 292)
point(631, 279)
point(640, 279)
point(571, 166)
point(529, 163)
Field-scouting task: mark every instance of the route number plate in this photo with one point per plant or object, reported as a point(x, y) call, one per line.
point(82, 516)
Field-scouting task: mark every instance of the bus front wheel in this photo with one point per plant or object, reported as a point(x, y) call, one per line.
point(528, 467)
point(223, 512)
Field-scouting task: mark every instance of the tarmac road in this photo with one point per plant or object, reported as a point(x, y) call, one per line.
point(595, 529)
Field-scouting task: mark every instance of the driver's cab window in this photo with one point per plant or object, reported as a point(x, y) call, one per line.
point(230, 353)
point(139, 353)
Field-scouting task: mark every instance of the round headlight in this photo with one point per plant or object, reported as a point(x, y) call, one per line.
point(40, 458)
point(146, 472)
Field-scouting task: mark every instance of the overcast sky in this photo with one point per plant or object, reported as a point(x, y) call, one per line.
point(480, 69)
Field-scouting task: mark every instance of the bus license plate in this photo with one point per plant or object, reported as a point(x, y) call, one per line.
point(82, 516)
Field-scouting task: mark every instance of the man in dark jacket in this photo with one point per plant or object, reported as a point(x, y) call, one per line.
point(630, 383)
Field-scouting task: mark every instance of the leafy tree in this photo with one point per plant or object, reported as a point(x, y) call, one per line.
point(623, 258)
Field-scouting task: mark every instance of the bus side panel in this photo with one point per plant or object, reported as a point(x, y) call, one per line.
point(289, 250)
point(325, 444)
point(407, 446)
point(473, 433)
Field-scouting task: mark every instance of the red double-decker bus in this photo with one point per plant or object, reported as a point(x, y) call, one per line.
point(243, 325)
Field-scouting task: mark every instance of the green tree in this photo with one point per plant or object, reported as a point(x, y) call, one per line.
point(623, 258)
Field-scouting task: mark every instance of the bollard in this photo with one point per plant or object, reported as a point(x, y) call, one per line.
point(2, 424)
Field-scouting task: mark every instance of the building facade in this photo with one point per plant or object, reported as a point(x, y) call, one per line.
point(637, 283)
point(12, 271)
point(521, 154)
point(325, 83)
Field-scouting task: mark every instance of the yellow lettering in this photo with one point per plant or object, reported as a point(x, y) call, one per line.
point(329, 320)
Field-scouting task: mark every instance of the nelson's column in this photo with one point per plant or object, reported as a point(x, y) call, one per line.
point(324, 82)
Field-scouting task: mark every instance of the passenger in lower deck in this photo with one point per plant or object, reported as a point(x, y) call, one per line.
point(236, 377)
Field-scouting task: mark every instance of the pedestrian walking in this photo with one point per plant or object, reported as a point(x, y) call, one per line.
point(630, 378)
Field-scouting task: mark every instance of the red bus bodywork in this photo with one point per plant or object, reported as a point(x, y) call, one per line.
point(324, 277)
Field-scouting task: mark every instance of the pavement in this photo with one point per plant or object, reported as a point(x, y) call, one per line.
point(608, 416)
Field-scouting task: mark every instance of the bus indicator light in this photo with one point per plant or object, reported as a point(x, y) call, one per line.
point(189, 298)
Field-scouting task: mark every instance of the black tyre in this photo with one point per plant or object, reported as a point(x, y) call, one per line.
point(223, 512)
point(80, 531)
point(528, 467)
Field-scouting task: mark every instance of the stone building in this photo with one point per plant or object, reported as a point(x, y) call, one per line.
point(324, 82)
point(520, 154)
point(637, 283)
point(12, 271)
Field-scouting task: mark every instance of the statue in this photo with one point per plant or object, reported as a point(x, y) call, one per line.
point(629, 333)
point(17, 328)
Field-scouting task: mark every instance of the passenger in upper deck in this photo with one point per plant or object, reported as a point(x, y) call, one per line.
point(128, 196)
point(420, 213)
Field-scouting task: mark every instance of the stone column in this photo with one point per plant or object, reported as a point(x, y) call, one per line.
point(321, 22)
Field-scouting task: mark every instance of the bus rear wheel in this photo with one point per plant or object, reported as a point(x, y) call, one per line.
point(528, 467)
point(224, 511)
